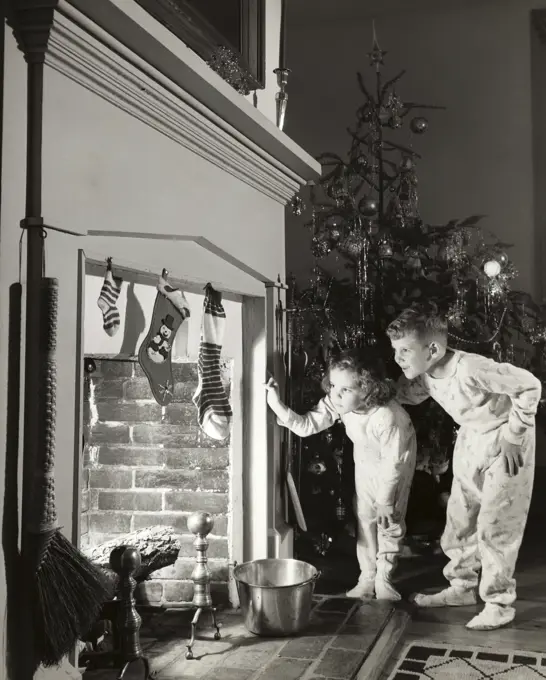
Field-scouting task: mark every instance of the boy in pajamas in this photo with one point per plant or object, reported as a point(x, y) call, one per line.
point(493, 461)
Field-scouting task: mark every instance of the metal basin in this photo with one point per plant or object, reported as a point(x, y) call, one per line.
point(276, 596)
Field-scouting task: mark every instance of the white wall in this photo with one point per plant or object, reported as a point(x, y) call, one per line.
point(117, 174)
point(477, 155)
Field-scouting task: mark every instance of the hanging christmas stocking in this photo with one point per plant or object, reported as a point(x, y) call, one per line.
point(154, 355)
point(214, 411)
point(109, 294)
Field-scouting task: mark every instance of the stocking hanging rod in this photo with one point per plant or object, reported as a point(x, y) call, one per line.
point(133, 272)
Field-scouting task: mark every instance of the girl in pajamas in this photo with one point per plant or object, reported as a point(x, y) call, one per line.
point(493, 461)
point(359, 395)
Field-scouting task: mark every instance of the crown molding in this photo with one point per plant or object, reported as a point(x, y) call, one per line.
point(87, 54)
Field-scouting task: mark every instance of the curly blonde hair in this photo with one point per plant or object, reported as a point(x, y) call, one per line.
point(370, 373)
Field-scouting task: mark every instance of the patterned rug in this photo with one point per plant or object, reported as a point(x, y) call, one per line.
point(443, 662)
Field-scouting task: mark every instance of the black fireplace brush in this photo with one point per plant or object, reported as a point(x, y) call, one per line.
point(67, 590)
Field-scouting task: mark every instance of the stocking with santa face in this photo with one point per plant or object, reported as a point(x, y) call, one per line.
point(155, 353)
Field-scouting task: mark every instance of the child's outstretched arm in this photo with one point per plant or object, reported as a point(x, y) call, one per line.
point(318, 419)
point(524, 391)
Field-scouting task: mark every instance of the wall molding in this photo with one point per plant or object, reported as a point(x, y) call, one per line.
point(85, 59)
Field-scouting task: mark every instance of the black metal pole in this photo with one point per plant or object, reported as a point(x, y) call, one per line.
point(35, 252)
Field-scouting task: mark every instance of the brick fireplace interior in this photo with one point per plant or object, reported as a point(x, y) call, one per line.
point(145, 465)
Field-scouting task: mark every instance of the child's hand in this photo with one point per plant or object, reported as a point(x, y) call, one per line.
point(273, 396)
point(513, 459)
point(385, 516)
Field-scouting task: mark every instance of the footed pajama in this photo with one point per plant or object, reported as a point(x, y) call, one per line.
point(487, 509)
point(384, 455)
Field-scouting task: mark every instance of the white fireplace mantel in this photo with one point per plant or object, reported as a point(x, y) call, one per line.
point(234, 164)
point(121, 53)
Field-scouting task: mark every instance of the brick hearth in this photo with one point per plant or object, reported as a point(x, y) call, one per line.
point(145, 465)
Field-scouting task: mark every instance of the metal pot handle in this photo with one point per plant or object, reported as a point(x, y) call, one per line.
point(317, 575)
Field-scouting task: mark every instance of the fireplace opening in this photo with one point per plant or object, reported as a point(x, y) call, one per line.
point(147, 466)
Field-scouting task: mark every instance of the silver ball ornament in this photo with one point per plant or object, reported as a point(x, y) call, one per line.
point(368, 207)
point(419, 125)
point(384, 249)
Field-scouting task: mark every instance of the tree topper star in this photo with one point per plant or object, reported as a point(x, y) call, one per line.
point(376, 55)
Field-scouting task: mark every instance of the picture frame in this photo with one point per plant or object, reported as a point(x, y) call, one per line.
point(229, 27)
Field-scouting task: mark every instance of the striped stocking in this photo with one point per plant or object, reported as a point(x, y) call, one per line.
point(109, 294)
point(213, 409)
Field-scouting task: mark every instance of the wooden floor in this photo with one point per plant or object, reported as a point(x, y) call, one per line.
point(447, 625)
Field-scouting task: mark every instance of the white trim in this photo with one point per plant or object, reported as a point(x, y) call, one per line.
point(105, 67)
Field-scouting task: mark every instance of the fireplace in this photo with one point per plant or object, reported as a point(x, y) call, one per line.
point(146, 465)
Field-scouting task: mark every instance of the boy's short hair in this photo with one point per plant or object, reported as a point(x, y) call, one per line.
point(425, 321)
point(370, 372)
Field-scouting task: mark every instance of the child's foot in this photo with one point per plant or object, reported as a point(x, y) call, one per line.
point(492, 616)
point(449, 597)
point(384, 590)
point(364, 590)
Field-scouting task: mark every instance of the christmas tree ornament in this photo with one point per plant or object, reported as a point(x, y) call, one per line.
point(335, 234)
point(368, 206)
point(538, 335)
point(338, 190)
point(455, 316)
point(317, 466)
point(419, 125)
point(213, 407)
point(527, 323)
point(341, 512)
point(384, 115)
point(352, 245)
point(406, 164)
point(384, 249)
point(497, 351)
point(334, 221)
point(492, 268)
point(155, 352)
point(108, 298)
point(361, 163)
point(395, 122)
point(495, 289)
point(413, 259)
point(320, 247)
point(297, 205)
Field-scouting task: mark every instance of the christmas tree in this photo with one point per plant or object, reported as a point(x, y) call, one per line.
point(365, 209)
